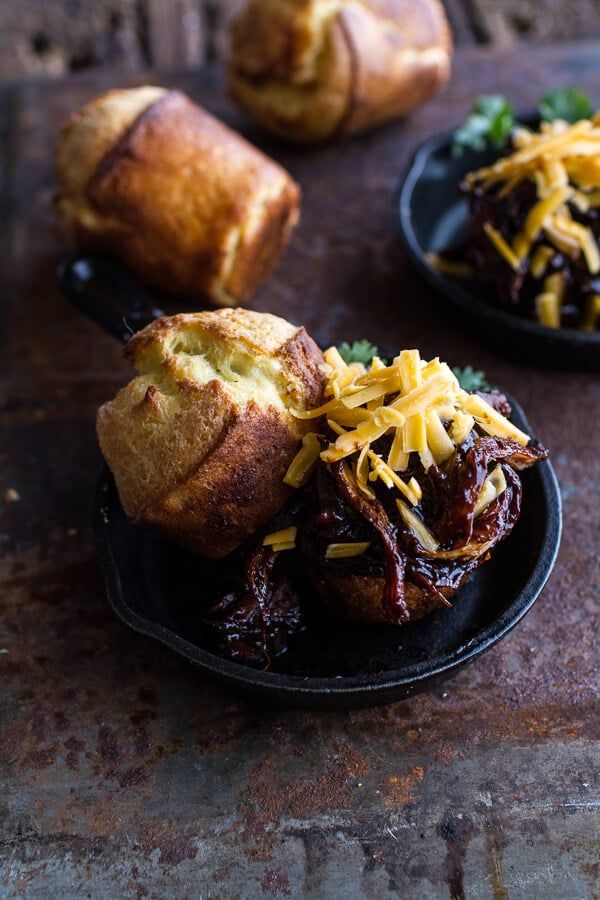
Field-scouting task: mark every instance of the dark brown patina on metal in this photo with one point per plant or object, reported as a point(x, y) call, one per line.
point(125, 771)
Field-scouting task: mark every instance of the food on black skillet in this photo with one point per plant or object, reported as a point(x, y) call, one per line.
point(416, 484)
point(399, 482)
point(535, 225)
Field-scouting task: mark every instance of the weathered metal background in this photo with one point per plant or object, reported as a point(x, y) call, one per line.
point(125, 772)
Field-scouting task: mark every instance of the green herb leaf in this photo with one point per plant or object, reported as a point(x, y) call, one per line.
point(491, 121)
point(358, 351)
point(568, 103)
point(471, 379)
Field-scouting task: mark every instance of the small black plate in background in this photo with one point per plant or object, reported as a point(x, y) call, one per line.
point(434, 217)
point(159, 590)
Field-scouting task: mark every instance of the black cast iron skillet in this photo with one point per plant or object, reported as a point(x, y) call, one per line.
point(434, 217)
point(157, 588)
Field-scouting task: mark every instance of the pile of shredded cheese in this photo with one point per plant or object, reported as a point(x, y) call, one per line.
point(563, 161)
point(420, 405)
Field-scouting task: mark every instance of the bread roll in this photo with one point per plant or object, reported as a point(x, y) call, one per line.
point(309, 70)
point(191, 207)
point(200, 441)
point(360, 598)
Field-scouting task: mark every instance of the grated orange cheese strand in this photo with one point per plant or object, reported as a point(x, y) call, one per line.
point(335, 427)
point(376, 376)
point(317, 412)
point(346, 551)
point(561, 241)
point(547, 309)
point(362, 473)
point(490, 420)
point(416, 488)
point(556, 284)
point(417, 526)
point(536, 219)
point(351, 417)
point(419, 398)
point(580, 200)
point(584, 238)
point(592, 313)
point(304, 461)
point(448, 266)
point(585, 171)
point(334, 359)
point(364, 433)
point(285, 536)
point(438, 439)
point(390, 479)
point(540, 259)
point(555, 172)
point(397, 458)
point(415, 434)
point(411, 373)
point(461, 426)
point(502, 246)
point(493, 486)
point(372, 392)
point(427, 460)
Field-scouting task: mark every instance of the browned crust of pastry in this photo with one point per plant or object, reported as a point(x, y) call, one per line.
point(386, 82)
point(325, 94)
point(370, 61)
point(205, 462)
point(185, 202)
point(359, 598)
point(236, 488)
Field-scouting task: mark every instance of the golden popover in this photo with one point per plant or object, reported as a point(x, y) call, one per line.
point(310, 70)
point(151, 178)
point(200, 441)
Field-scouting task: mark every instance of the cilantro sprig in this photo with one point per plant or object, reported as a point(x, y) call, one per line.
point(358, 351)
point(568, 103)
point(471, 379)
point(490, 122)
point(492, 118)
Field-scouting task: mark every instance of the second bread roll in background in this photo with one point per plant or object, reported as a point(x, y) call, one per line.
point(310, 70)
point(191, 207)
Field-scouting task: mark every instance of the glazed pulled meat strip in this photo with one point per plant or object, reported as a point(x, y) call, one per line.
point(464, 480)
point(376, 516)
point(255, 621)
point(450, 568)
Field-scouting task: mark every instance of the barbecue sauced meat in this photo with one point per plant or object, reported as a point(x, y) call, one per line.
point(534, 226)
point(395, 508)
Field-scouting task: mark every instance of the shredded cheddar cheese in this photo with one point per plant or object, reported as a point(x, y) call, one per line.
point(417, 526)
point(502, 246)
point(563, 163)
point(592, 313)
point(420, 408)
point(344, 551)
point(493, 486)
point(304, 461)
point(281, 540)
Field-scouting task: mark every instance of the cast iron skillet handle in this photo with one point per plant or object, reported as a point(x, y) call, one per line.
point(107, 295)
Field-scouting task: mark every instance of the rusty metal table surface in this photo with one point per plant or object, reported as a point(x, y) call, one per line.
point(127, 773)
